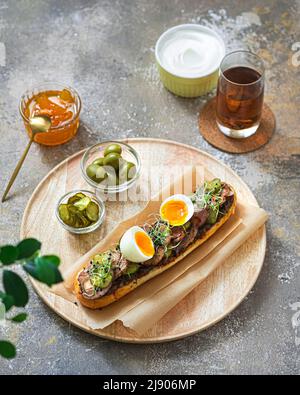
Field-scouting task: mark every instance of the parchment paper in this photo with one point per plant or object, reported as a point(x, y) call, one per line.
point(140, 309)
point(143, 316)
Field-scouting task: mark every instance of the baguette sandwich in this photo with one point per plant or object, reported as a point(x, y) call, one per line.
point(144, 252)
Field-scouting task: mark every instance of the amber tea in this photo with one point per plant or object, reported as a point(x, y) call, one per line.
point(240, 95)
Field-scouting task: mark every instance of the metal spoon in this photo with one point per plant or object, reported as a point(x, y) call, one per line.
point(38, 124)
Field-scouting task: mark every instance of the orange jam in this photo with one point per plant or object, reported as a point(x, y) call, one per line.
point(62, 108)
point(144, 243)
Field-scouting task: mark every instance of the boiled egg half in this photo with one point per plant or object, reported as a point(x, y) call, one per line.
point(177, 209)
point(136, 245)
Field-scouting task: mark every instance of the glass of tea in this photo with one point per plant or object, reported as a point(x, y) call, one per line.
point(61, 103)
point(240, 94)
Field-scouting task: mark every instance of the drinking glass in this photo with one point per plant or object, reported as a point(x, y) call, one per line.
point(240, 94)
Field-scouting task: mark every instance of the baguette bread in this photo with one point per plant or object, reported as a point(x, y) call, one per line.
point(156, 270)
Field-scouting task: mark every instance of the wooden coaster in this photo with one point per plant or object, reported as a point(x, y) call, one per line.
point(210, 131)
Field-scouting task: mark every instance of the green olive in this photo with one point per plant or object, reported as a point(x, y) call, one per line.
point(111, 179)
point(91, 171)
point(96, 173)
point(113, 148)
point(99, 162)
point(112, 159)
point(127, 171)
point(101, 174)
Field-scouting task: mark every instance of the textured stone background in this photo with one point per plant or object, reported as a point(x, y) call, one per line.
point(106, 50)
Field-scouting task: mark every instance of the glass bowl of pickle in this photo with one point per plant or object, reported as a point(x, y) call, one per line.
point(80, 211)
point(111, 166)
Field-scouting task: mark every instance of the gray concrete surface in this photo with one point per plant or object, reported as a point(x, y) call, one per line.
point(105, 50)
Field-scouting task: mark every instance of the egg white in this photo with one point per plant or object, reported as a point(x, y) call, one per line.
point(184, 199)
point(129, 247)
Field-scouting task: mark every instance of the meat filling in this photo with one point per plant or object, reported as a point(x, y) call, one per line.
point(175, 240)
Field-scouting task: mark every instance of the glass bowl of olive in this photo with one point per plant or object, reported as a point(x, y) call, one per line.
point(111, 166)
point(80, 211)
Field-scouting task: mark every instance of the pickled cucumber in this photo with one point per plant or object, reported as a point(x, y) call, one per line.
point(79, 212)
point(82, 203)
point(92, 211)
point(132, 268)
point(75, 198)
point(64, 212)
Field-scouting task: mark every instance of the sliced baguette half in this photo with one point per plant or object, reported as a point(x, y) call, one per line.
point(124, 290)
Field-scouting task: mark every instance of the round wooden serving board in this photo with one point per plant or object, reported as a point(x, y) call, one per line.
point(207, 304)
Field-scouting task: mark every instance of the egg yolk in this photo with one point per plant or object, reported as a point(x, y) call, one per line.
point(175, 212)
point(144, 243)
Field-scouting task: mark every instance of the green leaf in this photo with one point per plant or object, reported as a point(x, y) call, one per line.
point(47, 271)
point(31, 269)
point(28, 247)
point(15, 286)
point(19, 317)
point(7, 300)
point(8, 254)
point(7, 349)
point(44, 270)
point(52, 258)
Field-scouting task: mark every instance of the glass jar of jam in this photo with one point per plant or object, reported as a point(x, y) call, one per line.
point(61, 103)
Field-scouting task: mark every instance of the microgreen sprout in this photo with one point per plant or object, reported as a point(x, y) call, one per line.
point(159, 232)
point(101, 268)
point(209, 197)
